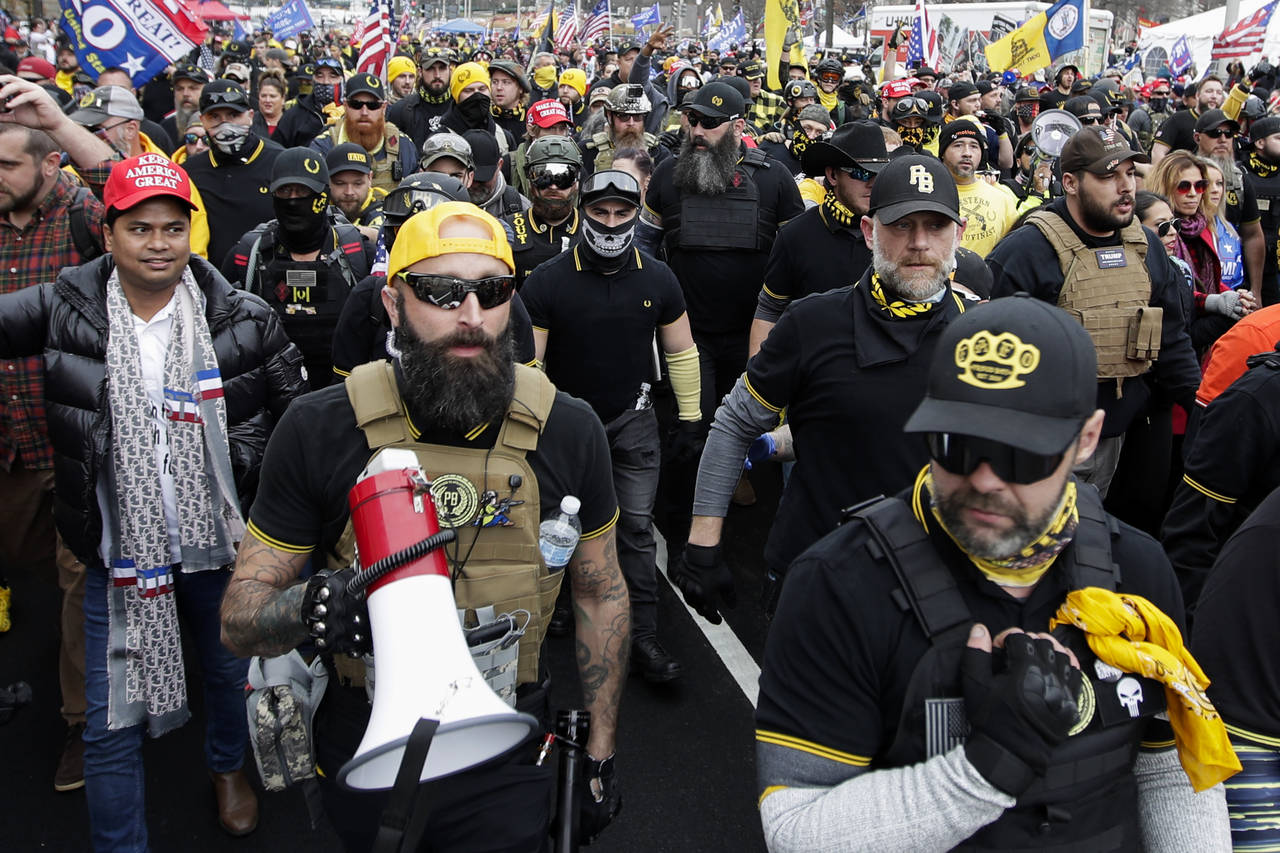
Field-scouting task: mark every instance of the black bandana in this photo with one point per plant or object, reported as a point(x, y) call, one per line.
point(1261, 167)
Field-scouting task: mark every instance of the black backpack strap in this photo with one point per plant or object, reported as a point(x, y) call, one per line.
point(87, 246)
point(1089, 555)
point(928, 588)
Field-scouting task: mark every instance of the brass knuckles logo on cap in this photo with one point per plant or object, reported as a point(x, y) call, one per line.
point(89, 100)
point(995, 362)
point(456, 500)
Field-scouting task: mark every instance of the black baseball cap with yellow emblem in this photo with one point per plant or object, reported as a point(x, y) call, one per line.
point(1015, 370)
point(348, 157)
point(716, 100)
point(302, 166)
point(914, 183)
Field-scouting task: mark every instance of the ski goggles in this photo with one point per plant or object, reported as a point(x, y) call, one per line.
point(558, 175)
point(962, 454)
point(448, 292)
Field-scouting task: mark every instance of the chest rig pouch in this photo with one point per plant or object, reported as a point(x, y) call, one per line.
point(735, 219)
point(299, 288)
point(489, 496)
point(387, 171)
point(1107, 290)
point(1102, 744)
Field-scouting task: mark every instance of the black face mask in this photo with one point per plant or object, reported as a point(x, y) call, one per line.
point(1158, 104)
point(303, 221)
point(607, 248)
point(326, 93)
point(475, 110)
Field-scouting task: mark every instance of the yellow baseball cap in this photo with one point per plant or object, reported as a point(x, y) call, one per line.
point(466, 74)
point(419, 238)
point(575, 77)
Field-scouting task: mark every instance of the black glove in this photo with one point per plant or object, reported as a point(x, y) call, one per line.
point(684, 444)
point(601, 798)
point(1019, 715)
point(670, 140)
point(703, 577)
point(337, 620)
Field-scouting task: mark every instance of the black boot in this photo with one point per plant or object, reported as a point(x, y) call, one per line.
point(650, 659)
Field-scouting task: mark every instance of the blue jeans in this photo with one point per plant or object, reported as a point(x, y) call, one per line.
point(113, 776)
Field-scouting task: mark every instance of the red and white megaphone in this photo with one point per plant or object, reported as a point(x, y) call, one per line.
point(424, 669)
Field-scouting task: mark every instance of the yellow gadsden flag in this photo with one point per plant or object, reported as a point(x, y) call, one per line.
point(781, 17)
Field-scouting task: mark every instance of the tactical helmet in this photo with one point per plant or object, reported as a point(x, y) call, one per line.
point(1262, 69)
point(553, 149)
point(628, 99)
point(418, 192)
point(799, 89)
point(830, 65)
point(1253, 108)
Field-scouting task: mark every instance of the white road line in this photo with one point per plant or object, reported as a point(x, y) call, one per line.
point(726, 644)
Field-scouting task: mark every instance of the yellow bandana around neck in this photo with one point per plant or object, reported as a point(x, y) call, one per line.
point(838, 213)
point(1025, 568)
point(899, 308)
point(1132, 634)
point(828, 99)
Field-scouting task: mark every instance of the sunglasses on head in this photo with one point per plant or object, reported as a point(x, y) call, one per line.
point(709, 122)
point(1185, 187)
point(558, 175)
point(228, 97)
point(962, 454)
point(857, 173)
point(352, 103)
point(447, 292)
point(1218, 133)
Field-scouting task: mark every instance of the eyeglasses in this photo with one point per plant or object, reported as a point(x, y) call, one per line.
point(1088, 120)
point(352, 103)
point(858, 173)
point(101, 130)
point(1160, 94)
point(709, 122)
point(445, 291)
point(1219, 133)
point(558, 175)
point(193, 138)
point(1163, 228)
point(1185, 187)
point(628, 118)
point(962, 454)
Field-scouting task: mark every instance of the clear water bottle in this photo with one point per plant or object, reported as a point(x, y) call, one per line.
point(559, 533)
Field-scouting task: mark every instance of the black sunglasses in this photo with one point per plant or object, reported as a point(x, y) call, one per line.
point(364, 105)
point(709, 122)
point(445, 291)
point(558, 175)
point(1087, 120)
point(962, 454)
point(1163, 228)
point(230, 96)
point(1218, 133)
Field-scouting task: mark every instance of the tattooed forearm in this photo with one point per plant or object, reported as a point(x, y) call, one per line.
point(262, 607)
point(785, 451)
point(604, 635)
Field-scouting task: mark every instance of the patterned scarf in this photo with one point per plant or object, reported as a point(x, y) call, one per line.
point(1199, 255)
point(900, 308)
point(1025, 568)
point(1260, 167)
point(1132, 634)
point(835, 211)
point(147, 681)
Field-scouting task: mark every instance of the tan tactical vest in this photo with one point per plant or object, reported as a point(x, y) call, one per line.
point(495, 559)
point(605, 150)
point(1108, 291)
point(386, 169)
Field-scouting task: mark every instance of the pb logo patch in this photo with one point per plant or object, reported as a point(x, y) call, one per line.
point(995, 362)
point(456, 499)
point(920, 178)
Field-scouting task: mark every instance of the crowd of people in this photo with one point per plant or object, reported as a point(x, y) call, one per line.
point(1040, 310)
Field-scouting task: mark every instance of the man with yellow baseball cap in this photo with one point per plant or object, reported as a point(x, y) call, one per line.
point(511, 449)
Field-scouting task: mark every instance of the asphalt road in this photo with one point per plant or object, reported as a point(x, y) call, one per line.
point(684, 750)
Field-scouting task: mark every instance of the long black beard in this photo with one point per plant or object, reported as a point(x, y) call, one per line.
point(707, 171)
point(455, 394)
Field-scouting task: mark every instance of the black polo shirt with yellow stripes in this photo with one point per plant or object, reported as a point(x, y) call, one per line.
point(534, 240)
point(236, 193)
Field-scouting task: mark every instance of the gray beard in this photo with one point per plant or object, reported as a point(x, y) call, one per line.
point(1025, 529)
point(182, 119)
point(1230, 173)
point(915, 289)
point(707, 172)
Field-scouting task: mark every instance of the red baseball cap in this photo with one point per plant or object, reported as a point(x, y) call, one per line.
point(43, 68)
point(137, 179)
point(898, 88)
point(547, 113)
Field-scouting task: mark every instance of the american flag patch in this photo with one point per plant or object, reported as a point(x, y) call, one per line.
point(182, 406)
point(210, 383)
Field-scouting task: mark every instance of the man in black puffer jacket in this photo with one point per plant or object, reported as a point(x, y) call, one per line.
point(162, 387)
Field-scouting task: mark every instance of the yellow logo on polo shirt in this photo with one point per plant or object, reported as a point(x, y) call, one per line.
point(995, 362)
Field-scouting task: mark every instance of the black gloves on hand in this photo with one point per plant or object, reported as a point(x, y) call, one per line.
point(1019, 715)
point(684, 444)
point(703, 577)
point(337, 620)
point(601, 798)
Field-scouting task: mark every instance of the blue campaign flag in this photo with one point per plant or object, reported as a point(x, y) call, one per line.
point(290, 19)
point(732, 31)
point(648, 17)
point(1064, 27)
point(140, 36)
point(1180, 56)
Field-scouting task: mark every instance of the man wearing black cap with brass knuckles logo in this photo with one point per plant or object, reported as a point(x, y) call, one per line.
point(848, 366)
point(912, 697)
point(1121, 286)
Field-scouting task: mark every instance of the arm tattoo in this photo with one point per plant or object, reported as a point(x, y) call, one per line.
point(262, 607)
point(604, 633)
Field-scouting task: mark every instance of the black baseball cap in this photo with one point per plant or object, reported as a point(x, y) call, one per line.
point(628, 46)
point(348, 157)
point(1016, 370)
point(484, 153)
point(854, 143)
point(190, 71)
point(300, 166)
point(717, 99)
point(366, 83)
point(1097, 149)
point(912, 184)
point(751, 70)
point(1083, 105)
point(1210, 119)
point(223, 93)
point(961, 90)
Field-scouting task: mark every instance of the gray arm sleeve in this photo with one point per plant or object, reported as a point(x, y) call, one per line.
point(934, 805)
point(738, 422)
point(769, 308)
point(1173, 815)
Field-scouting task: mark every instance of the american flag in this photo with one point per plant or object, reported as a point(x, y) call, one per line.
point(923, 47)
point(1245, 38)
point(375, 40)
point(598, 23)
point(567, 32)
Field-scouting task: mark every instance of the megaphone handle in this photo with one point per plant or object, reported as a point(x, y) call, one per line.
point(415, 551)
point(407, 796)
point(572, 728)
